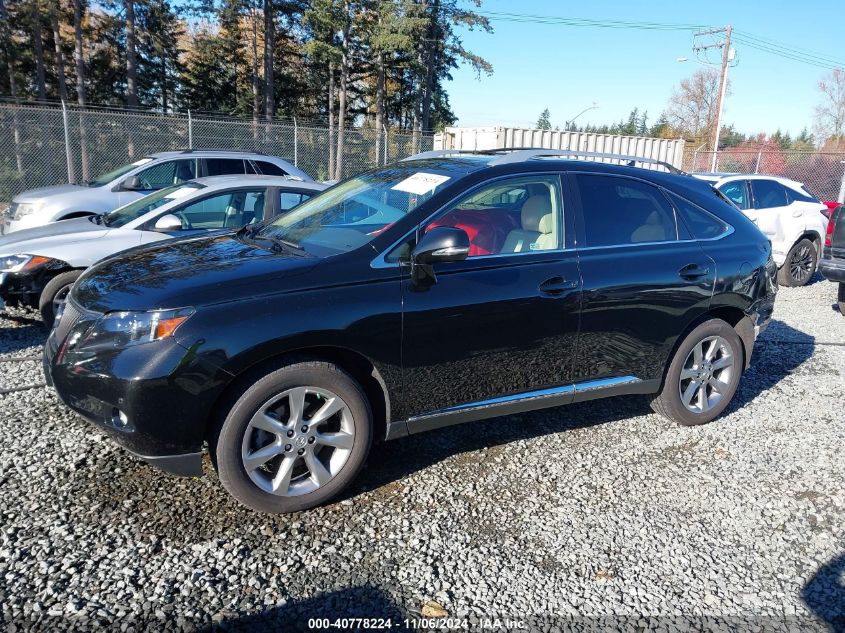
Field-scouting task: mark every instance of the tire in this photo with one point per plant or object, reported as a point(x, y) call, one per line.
point(800, 264)
point(302, 468)
point(840, 298)
point(54, 293)
point(720, 384)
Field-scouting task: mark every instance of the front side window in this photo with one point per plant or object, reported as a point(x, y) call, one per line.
point(355, 211)
point(142, 206)
point(621, 211)
point(768, 194)
point(172, 172)
point(224, 166)
point(737, 192)
point(104, 179)
point(513, 215)
point(232, 209)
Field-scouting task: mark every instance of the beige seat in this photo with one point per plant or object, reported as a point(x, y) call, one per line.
point(538, 227)
point(652, 231)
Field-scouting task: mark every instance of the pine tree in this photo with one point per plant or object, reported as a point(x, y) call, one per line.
point(543, 122)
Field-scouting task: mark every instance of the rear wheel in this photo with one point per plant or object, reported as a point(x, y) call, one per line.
point(703, 375)
point(800, 264)
point(841, 298)
point(55, 294)
point(295, 439)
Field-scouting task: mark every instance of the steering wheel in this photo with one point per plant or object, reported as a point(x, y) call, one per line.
point(186, 224)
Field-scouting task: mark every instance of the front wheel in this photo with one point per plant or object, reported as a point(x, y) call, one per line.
point(295, 439)
point(800, 264)
point(55, 294)
point(703, 375)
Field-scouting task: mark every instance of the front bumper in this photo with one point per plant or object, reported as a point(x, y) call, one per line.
point(154, 399)
point(832, 269)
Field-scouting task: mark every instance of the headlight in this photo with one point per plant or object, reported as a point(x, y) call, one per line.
point(20, 263)
point(117, 330)
point(25, 208)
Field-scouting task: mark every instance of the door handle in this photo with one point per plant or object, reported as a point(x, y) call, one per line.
point(693, 271)
point(797, 213)
point(556, 286)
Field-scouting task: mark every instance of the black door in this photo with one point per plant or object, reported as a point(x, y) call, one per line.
point(645, 280)
point(505, 321)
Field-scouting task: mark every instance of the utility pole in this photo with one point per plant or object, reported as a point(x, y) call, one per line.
point(727, 57)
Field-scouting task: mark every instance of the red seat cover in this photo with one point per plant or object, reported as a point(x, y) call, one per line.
point(487, 228)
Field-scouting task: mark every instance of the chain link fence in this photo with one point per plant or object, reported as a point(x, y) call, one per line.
point(44, 145)
point(822, 172)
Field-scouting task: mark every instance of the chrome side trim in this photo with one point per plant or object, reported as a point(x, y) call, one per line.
point(527, 396)
point(526, 401)
point(728, 231)
point(604, 383)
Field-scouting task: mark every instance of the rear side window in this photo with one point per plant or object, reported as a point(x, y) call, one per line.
point(224, 166)
point(622, 211)
point(737, 192)
point(289, 199)
point(269, 169)
point(702, 224)
point(768, 194)
point(799, 196)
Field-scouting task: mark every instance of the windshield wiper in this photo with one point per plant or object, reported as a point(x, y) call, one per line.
point(280, 244)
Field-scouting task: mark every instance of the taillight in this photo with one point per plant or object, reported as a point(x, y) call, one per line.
point(828, 235)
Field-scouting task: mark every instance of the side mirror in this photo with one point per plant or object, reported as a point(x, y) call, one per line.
point(133, 183)
point(440, 244)
point(168, 222)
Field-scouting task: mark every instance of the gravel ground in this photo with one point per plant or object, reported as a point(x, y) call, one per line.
point(596, 515)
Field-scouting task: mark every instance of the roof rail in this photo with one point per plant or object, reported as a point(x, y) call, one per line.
point(509, 155)
point(191, 150)
point(518, 155)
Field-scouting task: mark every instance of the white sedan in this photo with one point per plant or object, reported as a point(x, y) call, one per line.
point(39, 265)
point(786, 212)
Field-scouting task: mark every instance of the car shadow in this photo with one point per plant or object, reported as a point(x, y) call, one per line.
point(29, 332)
point(778, 352)
point(318, 612)
point(824, 593)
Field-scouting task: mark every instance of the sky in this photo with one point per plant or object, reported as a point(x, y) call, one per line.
point(567, 68)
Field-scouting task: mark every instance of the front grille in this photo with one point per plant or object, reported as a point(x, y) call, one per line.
point(69, 318)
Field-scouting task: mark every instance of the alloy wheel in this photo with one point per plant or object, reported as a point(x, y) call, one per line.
point(801, 264)
point(706, 374)
point(298, 441)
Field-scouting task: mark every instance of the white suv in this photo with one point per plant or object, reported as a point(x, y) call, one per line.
point(789, 215)
point(121, 186)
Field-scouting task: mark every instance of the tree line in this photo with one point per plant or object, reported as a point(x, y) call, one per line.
point(379, 63)
point(691, 114)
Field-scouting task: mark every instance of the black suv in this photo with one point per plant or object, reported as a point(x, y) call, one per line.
point(446, 288)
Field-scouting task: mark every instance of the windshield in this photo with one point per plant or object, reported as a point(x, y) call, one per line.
point(142, 206)
point(354, 212)
point(106, 178)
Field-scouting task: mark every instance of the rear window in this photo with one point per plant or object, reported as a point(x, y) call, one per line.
point(702, 225)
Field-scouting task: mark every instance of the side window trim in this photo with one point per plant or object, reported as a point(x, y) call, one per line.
point(381, 260)
point(728, 226)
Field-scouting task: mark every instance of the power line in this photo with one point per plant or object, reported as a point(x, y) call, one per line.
point(772, 47)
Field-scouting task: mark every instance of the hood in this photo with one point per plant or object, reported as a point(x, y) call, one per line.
point(35, 195)
point(186, 272)
point(54, 233)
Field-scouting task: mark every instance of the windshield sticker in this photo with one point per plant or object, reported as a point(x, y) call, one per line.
point(180, 193)
point(143, 161)
point(420, 183)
